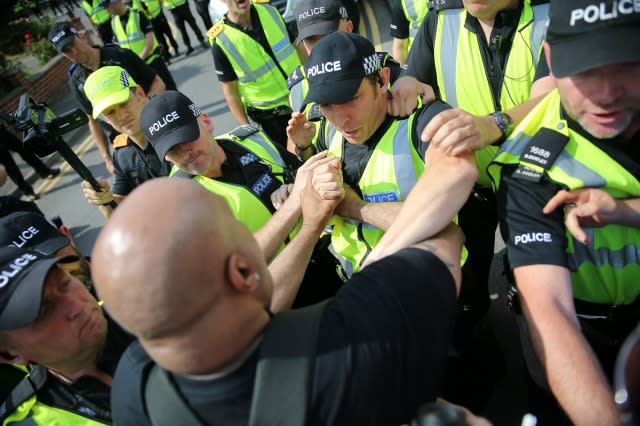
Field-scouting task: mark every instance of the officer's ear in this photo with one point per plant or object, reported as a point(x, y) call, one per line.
point(207, 121)
point(383, 78)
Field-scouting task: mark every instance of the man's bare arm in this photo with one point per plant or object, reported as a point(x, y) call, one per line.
point(572, 369)
point(100, 139)
point(148, 45)
point(234, 101)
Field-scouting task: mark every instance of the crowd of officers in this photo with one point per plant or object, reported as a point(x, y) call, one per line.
point(348, 178)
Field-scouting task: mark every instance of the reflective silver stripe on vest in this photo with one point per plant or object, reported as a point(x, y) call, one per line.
point(403, 160)
point(539, 29)
point(260, 140)
point(565, 161)
point(413, 16)
point(618, 259)
point(329, 134)
point(287, 50)
point(296, 98)
point(249, 74)
point(449, 53)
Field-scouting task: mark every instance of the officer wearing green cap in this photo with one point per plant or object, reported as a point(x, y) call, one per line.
point(116, 97)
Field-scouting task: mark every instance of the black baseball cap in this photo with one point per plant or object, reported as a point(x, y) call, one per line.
point(32, 231)
point(22, 277)
point(588, 34)
point(62, 34)
point(168, 119)
point(336, 67)
point(318, 17)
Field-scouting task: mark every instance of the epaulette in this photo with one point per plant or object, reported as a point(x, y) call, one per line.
point(244, 131)
point(438, 5)
point(385, 58)
point(296, 77)
point(215, 30)
point(261, 1)
point(538, 2)
point(71, 69)
point(120, 141)
point(314, 113)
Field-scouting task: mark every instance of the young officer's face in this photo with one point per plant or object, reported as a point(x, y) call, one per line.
point(604, 100)
point(125, 117)
point(358, 118)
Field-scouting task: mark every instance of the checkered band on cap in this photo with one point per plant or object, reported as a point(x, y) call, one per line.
point(343, 12)
point(371, 64)
point(195, 110)
point(124, 79)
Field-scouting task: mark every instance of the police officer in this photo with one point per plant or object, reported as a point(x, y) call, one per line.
point(406, 18)
point(315, 19)
point(54, 331)
point(132, 30)
point(99, 18)
point(483, 59)
point(152, 9)
point(382, 157)
point(579, 294)
point(117, 97)
point(181, 14)
point(86, 58)
point(255, 84)
point(246, 168)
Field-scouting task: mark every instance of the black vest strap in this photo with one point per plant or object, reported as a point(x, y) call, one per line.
point(164, 403)
point(284, 376)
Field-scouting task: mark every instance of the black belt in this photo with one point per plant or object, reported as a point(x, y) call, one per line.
point(630, 312)
point(277, 111)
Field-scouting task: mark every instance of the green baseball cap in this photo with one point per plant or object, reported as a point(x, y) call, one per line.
point(108, 86)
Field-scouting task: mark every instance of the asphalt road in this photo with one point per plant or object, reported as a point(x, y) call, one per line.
point(497, 372)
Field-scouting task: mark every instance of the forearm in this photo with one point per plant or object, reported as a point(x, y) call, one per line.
point(571, 368)
point(148, 46)
point(234, 101)
point(432, 203)
point(157, 86)
point(400, 50)
point(99, 138)
point(273, 233)
point(288, 268)
point(627, 213)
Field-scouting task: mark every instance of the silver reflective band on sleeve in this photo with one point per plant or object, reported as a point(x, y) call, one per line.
point(540, 19)
point(249, 74)
point(449, 53)
point(414, 25)
point(260, 140)
point(603, 256)
point(564, 162)
point(403, 160)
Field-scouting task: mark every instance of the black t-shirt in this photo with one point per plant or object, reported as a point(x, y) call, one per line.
point(421, 61)
point(224, 69)
point(399, 23)
point(356, 156)
point(133, 166)
point(141, 73)
point(382, 347)
point(520, 206)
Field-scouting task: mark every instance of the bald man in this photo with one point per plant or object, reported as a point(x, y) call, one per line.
point(199, 303)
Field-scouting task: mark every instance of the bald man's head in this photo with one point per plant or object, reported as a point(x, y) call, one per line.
point(173, 266)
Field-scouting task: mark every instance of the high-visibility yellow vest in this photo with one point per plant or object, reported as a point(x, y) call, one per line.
point(133, 38)
point(150, 8)
point(245, 205)
point(415, 11)
point(260, 82)
point(392, 170)
point(31, 412)
point(461, 74)
point(172, 4)
point(97, 13)
point(606, 271)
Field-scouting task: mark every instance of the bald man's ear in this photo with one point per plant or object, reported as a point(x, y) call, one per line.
point(240, 273)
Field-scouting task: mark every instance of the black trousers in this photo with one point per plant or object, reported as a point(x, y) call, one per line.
point(182, 14)
point(160, 67)
point(274, 122)
point(478, 219)
point(203, 11)
point(13, 171)
point(163, 32)
point(106, 33)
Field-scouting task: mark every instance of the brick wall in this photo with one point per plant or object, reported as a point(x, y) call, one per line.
point(43, 88)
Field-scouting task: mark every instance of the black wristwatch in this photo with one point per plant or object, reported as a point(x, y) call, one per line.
point(504, 123)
